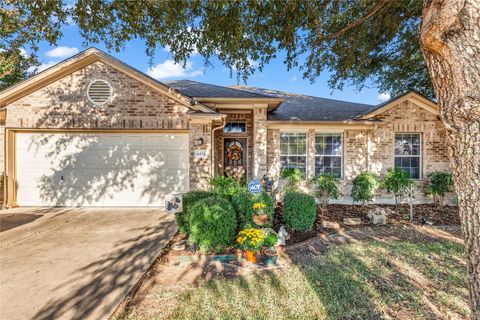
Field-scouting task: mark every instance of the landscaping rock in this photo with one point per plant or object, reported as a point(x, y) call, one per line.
point(377, 215)
point(331, 224)
point(179, 245)
point(352, 221)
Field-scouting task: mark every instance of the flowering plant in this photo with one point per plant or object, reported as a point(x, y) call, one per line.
point(258, 207)
point(250, 239)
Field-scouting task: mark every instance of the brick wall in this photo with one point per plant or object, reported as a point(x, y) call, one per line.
point(64, 104)
point(374, 149)
point(200, 168)
point(260, 141)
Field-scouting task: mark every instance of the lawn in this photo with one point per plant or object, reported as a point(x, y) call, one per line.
point(364, 280)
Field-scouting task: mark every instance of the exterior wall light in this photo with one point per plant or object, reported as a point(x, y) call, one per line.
point(199, 141)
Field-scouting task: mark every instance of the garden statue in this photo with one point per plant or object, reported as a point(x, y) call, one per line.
point(282, 236)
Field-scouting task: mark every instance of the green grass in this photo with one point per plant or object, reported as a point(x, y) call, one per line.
point(368, 280)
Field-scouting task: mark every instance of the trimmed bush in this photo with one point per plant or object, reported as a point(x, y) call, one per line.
point(243, 203)
point(439, 185)
point(213, 224)
point(189, 199)
point(299, 210)
point(364, 187)
point(225, 186)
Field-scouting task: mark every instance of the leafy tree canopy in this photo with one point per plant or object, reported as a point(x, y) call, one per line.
point(355, 40)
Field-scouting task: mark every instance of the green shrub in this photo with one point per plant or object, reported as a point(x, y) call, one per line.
point(225, 186)
point(189, 199)
point(364, 187)
point(243, 202)
point(395, 181)
point(270, 240)
point(299, 210)
point(440, 183)
point(327, 187)
point(213, 224)
point(293, 177)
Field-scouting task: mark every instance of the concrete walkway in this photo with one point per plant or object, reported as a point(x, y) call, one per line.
point(75, 263)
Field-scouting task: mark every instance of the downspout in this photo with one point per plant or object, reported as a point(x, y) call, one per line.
point(212, 143)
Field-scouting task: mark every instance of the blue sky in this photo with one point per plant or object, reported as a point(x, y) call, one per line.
point(274, 75)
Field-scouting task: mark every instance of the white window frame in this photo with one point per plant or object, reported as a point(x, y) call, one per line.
point(420, 156)
point(295, 155)
point(324, 133)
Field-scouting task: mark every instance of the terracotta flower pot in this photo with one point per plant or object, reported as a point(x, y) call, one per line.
point(250, 256)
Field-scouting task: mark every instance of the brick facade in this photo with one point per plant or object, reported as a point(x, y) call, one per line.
point(247, 117)
point(260, 141)
point(63, 104)
point(373, 149)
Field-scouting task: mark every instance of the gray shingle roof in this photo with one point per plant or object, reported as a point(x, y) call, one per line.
point(206, 90)
point(295, 107)
point(299, 107)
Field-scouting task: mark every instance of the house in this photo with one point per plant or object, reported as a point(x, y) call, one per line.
point(93, 131)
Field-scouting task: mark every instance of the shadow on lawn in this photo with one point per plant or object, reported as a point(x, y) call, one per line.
point(110, 276)
point(371, 278)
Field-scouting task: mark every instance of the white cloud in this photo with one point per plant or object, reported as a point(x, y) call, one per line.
point(42, 67)
point(294, 78)
point(61, 52)
point(170, 69)
point(23, 53)
point(382, 97)
point(252, 63)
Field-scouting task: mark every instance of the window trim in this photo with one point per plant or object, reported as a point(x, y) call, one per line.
point(342, 150)
point(236, 133)
point(420, 156)
point(307, 161)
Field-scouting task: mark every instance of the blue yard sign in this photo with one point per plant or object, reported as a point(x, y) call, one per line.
point(254, 186)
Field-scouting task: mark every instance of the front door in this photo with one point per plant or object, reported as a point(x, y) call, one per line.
point(235, 157)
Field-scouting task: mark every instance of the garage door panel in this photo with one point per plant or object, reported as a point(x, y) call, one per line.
point(101, 169)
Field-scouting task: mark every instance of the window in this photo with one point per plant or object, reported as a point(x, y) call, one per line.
point(235, 127)
point(293, 151)
point(408, 153)
point(328, 154)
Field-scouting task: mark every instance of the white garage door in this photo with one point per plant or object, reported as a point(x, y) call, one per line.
point(107, 169)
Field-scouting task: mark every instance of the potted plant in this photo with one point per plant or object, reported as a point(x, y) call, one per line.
point(269, 252)
point(250, 240)
point(259, 216)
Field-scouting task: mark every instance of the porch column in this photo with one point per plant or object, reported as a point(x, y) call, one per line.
point(259, 140)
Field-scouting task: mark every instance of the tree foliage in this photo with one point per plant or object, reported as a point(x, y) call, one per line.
point(355, 40)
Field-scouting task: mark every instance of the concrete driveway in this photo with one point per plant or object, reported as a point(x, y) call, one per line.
point(75, 263)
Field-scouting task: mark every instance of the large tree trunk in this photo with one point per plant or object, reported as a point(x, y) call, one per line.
point(450, 40)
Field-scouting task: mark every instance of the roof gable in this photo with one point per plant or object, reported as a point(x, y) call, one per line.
point(413, 96)
point(82, 60)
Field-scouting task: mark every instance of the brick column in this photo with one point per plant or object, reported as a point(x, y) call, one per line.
point(200, 168)
point(259, 140)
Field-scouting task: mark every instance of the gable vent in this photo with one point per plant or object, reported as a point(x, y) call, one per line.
point(99, 91)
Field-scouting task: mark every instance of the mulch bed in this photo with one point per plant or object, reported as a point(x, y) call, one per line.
point(446, 215)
